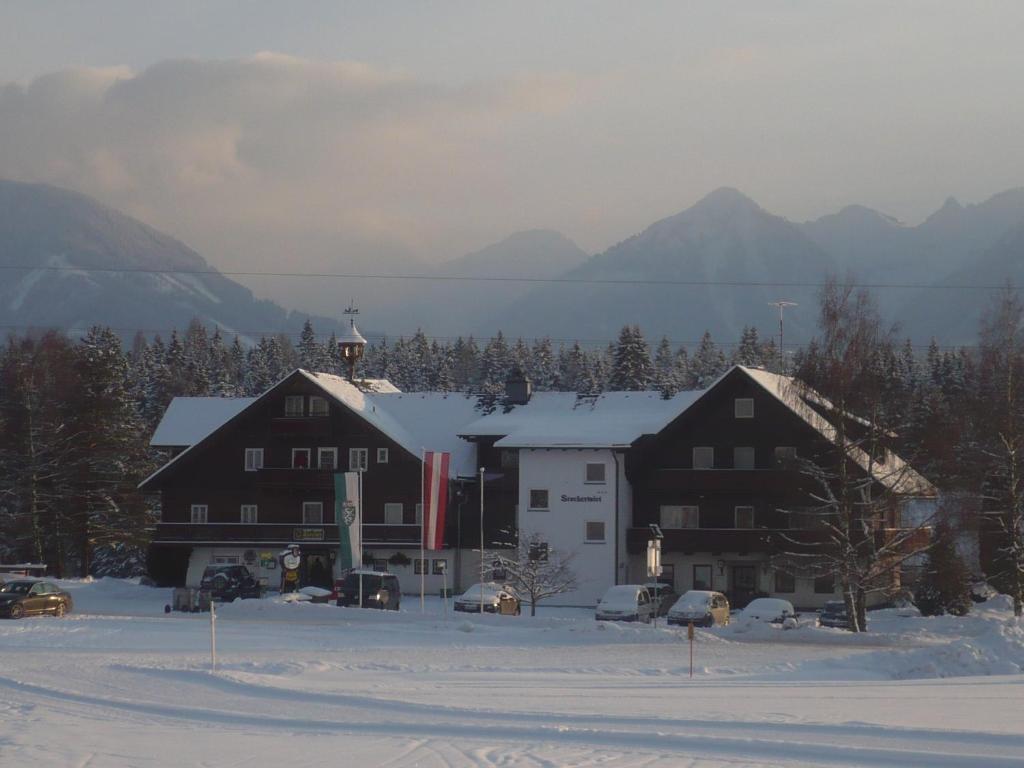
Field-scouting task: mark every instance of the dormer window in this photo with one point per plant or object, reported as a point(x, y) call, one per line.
point(743, 407)
point(294, 405)
point(317, 406)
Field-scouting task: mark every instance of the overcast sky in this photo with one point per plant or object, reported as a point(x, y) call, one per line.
point(320, 132)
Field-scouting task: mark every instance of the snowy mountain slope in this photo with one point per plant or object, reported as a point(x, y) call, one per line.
point(68, 262)
point(453, 307)
point(725, 237)
point(952, 312)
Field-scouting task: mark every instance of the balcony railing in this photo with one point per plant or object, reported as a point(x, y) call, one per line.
point(722, 539)
point(253, 533)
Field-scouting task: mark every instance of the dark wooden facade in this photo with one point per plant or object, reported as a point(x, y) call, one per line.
point(213, 473)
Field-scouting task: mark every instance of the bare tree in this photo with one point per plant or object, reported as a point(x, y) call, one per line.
point(538, 571)
point(858, 488)
point(1001, 439)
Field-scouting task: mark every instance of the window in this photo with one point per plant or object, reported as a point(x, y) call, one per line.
point(785, 583)
point(300, 458)
point(595, 472)
point(394, 514)
point(200, 513)
point(253, 459)
point(680, 517)
point(417, 566)
point(383, 456)
point(538, 551)
point(248, 513)
point(358, 459)
point(743, 457)
point(703, 457)
point(743, 407)
point(440, 566)
point(825, 585)
point(294, 405)
point(594, 531)
point(317, 406)
point(785, 455)
point(312, 513)
point(419, 513)
point(327, 458)
point(538, 498)
point(702, 577)
point(744, 517)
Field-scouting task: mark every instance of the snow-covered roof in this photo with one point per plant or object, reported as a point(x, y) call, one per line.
point(415, 420)
point(188, 420)
point(894, 473)
point(568, 420)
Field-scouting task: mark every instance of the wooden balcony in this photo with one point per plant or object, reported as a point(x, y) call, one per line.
point(255, 534)
point(722, 539)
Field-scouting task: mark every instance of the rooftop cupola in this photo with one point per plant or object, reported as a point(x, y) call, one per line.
point(518, 387)
point(351, 343)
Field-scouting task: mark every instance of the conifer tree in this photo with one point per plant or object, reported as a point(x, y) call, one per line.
point(632, 369)
point(946, 583)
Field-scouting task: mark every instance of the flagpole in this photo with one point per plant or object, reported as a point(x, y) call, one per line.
point(481, 541)
point(359, 512)
point(423, 530)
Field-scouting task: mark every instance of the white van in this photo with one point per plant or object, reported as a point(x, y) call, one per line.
point(626, 602)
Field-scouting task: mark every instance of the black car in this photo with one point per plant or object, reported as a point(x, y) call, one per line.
point(380, 590)
point(25, 598)
point(833, 614)
point(229, 582)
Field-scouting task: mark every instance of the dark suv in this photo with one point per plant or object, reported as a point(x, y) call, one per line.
point(229, 582)
point(380, 590)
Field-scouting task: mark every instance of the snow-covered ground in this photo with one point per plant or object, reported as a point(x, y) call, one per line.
point(119, 683)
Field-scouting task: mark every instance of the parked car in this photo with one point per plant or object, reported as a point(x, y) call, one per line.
point(663, 595)
point(702, 607)
point(493, 596)
point(626, 602)
point(833, 614)
point(229, 582)
point(25, 597)
point(769, 609)
point(380, 590)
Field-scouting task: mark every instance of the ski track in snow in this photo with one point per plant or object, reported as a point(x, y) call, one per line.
point(408, 690)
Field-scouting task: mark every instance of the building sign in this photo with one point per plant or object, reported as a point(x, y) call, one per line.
point(308, 534)
point(566, 499)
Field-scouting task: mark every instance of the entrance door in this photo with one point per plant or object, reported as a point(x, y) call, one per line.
point(744, 585)
point(318, 570)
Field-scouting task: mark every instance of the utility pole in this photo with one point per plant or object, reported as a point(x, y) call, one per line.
point(481, 541)
point(782, 304)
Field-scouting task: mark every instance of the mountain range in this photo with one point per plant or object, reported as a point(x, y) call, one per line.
point(69, 262)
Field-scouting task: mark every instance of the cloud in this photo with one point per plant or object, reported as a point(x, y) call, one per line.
point(272, 144)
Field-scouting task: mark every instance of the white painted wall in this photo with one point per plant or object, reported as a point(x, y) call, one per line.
point(572, 503)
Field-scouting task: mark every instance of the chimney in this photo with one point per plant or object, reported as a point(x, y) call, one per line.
point(518, 388)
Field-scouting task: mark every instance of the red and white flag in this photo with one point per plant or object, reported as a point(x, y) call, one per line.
point(435, 497)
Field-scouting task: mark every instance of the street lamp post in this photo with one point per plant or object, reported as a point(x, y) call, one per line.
point(481, 541)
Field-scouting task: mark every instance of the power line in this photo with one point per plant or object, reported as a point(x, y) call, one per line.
point(482, 338)
point(503, 279)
